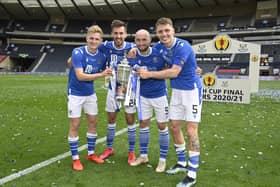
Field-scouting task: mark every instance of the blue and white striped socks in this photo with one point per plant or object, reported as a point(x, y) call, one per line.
point(111, 131)
point(163, 143)
point(131, 136)
point(193, 164)
point(73, 143)
point(144, 141)
point(91, 139)
point(181, 154)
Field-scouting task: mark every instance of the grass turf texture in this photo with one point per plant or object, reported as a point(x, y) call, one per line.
point(239, 143)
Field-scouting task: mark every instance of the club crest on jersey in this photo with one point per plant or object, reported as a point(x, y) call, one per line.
point(155, 59)
point(99, 61)
point(170, 52)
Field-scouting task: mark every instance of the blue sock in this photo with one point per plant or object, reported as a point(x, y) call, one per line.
point(181, 154)
point(131, 135)
point(91, 139)
point(163, 143)
point(111, 131)
point(73, 143)
point(193, 164)
point(144, 141)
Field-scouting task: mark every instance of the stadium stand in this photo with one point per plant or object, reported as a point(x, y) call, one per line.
point(2, 58)
point(239, 22)
point(29, 25)
point(55, 60)
point(182, 25)
point(3, 24)
point(25, 50)
point(208, 24)
point(105, 25)
point(78, 26)
point(54, 25)
point(133, 26)
point(265, 23)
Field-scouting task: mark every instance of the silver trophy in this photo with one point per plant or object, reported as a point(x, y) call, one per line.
point(123, 72)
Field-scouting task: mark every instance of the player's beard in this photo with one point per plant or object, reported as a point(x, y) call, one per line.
point(145, 50)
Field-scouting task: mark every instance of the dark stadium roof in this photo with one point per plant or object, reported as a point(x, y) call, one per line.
point(80, 9)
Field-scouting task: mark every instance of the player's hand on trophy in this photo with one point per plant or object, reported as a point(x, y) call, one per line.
point(132, 53)
point(106, 72)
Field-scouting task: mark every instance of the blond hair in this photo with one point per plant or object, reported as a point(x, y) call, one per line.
point(164, 21)
point(95, 29)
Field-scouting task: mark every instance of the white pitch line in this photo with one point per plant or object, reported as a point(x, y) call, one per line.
point(53, 159)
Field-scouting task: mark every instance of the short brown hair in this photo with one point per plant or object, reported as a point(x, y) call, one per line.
point(95, 29)
point(164, 21)
point(118, 23)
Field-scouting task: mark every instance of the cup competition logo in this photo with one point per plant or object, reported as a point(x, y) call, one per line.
point(255, 58)
point(222, 43)
point(209, 79)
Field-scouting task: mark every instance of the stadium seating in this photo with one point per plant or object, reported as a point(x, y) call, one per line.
point(55, 60)
point(78, 26)
point(208, 24)
point(29, 25)
point(2, 58)
point(133, 26)
point(4, 24)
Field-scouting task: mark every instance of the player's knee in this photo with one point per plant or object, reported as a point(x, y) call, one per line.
point(111, 120)
point(129, 119)
point(162, 126)
point(174, 128)
point(73, 131)
point(191, 131)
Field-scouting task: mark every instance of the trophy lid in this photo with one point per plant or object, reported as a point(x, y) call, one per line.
point(124, 60)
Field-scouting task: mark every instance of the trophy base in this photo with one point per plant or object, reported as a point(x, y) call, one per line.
point(120, 97)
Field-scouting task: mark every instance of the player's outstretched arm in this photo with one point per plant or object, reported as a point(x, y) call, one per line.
point(163, 74)
point(89, 77)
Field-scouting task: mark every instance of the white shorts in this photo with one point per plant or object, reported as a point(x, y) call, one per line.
point(159, 105)
point(186, 105)
point(76, 103)
point(112, 105)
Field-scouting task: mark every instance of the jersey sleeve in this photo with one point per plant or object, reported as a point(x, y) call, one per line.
point(106, 63)
point(181, 54)
point(77, 56)
point(102, 47)
point(132, 61)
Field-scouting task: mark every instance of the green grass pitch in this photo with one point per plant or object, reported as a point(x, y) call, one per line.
point(240, 144)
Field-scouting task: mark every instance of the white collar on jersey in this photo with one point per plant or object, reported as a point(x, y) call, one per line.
point(174, 42)
point(89, 53)
point(150, 52)
point(124, 44)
